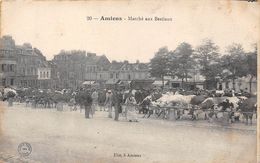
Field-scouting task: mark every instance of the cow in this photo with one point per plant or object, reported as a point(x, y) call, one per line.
point(247, 108)
point(228, 107)
point(197, 100)
point(213, 106)
point(206, 108)
point(219, 93)
point(144, 107)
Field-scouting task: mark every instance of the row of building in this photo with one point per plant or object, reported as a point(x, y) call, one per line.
point(89, 68)
point(19, 64)
point(23, 66)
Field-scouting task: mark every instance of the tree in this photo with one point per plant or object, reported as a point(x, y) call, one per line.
point(207, 54)
point(182, 61)
point(235, 62)
point(214, 70)
point(159, 65)
point(251, 60)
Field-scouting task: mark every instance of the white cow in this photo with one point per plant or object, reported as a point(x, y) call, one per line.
point(170, 99)
point(6, 90)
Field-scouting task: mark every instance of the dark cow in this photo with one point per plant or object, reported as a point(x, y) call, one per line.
point(145, 107)
point(197, 100)
point(247, 108)
point(228, 107)
point(211, 107)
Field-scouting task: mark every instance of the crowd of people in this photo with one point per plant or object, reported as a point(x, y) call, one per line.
point(117, 102)
point(114, 101)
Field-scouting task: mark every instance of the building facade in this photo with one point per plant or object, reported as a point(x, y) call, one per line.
point(70, 68)
point(128, 74)
point(8, 62)
point(126, 71)
point(44, 77)
point(195, 80)
point(241, 84)
point(19, 63)
point(28, 61)
point(96, 67)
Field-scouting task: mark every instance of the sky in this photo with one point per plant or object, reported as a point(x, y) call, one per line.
point(55, 25)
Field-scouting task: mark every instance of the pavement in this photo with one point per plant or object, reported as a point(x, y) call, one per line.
point(68, 137)
point(217, 124)
point(7, 158)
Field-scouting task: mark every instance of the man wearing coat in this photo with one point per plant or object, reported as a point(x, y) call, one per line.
point(85, 99)
point(108, 102)
point(87, 103)
point(117, 102)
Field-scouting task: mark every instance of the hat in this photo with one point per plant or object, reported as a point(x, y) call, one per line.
point(109, 91)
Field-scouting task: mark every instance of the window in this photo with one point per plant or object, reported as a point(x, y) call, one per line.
point(111, 75)
point(117, 75)
point(3, 67)
point(129, 77)
point(12, 82)
point(175, 85)
point(47, 75)
point(4, 82)
point(43, 74)
point(11, 68)
point(40, 74)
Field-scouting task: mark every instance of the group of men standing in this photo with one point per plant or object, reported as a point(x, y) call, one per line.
point(89, 100)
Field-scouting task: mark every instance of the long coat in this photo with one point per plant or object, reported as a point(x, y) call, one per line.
point(117, 98)
point(84, 98)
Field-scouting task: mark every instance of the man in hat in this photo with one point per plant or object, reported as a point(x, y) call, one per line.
point(102, 99)
point(108, 103)
point(78, 99)
point(94, 96)
point(86, 100)
point(117, 101)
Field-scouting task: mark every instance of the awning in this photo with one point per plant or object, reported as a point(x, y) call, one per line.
point(159, 82)
point(88, 82)
point(126, 82)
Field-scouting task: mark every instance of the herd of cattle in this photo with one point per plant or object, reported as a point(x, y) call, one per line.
point(232, 109)
point(235, 108)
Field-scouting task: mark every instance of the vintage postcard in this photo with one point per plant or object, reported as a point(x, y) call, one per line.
point(129, 81)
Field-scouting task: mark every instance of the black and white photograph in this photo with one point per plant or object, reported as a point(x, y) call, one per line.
point(129, 81)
